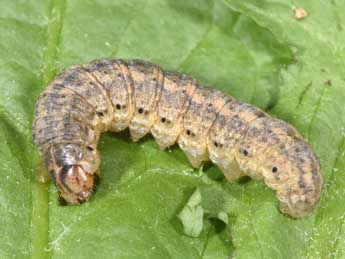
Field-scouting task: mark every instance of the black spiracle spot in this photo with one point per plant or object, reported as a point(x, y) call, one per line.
point(217, 144)
point(260, 114)
point(274, 169)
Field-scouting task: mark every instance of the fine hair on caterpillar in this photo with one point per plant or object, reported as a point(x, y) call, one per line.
point(113, 94)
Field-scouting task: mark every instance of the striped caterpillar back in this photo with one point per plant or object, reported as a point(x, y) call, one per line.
point(84, 101)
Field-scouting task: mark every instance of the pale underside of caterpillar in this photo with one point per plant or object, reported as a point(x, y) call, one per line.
point(84, 101)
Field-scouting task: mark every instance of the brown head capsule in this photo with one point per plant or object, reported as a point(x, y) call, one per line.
point(74, 183)
point(73, 168)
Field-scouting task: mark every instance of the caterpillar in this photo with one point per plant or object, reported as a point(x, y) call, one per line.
point(113, 94)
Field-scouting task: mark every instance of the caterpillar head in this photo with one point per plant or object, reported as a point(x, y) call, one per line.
point(74, 184)
point(73, 168)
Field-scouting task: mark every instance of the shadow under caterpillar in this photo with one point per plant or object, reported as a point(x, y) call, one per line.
point(86, 100)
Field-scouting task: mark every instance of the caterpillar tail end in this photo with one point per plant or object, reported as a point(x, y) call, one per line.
point(297, 205)
point(75, 184)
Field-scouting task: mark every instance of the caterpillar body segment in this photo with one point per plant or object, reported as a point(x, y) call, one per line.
point(228, 129)
point(84, 101)
point(50, 129)
point(147, 82)
point(78, 80)
point(53, 102)
point(115, 77)
point(174, 101)
point(260, 137)
point(202, 112)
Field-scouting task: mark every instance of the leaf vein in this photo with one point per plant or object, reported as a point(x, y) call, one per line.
point(40, 208)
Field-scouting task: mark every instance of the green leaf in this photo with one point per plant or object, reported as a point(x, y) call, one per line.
point(254, 50)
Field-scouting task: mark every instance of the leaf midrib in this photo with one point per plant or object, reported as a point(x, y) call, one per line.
point(40, 195)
